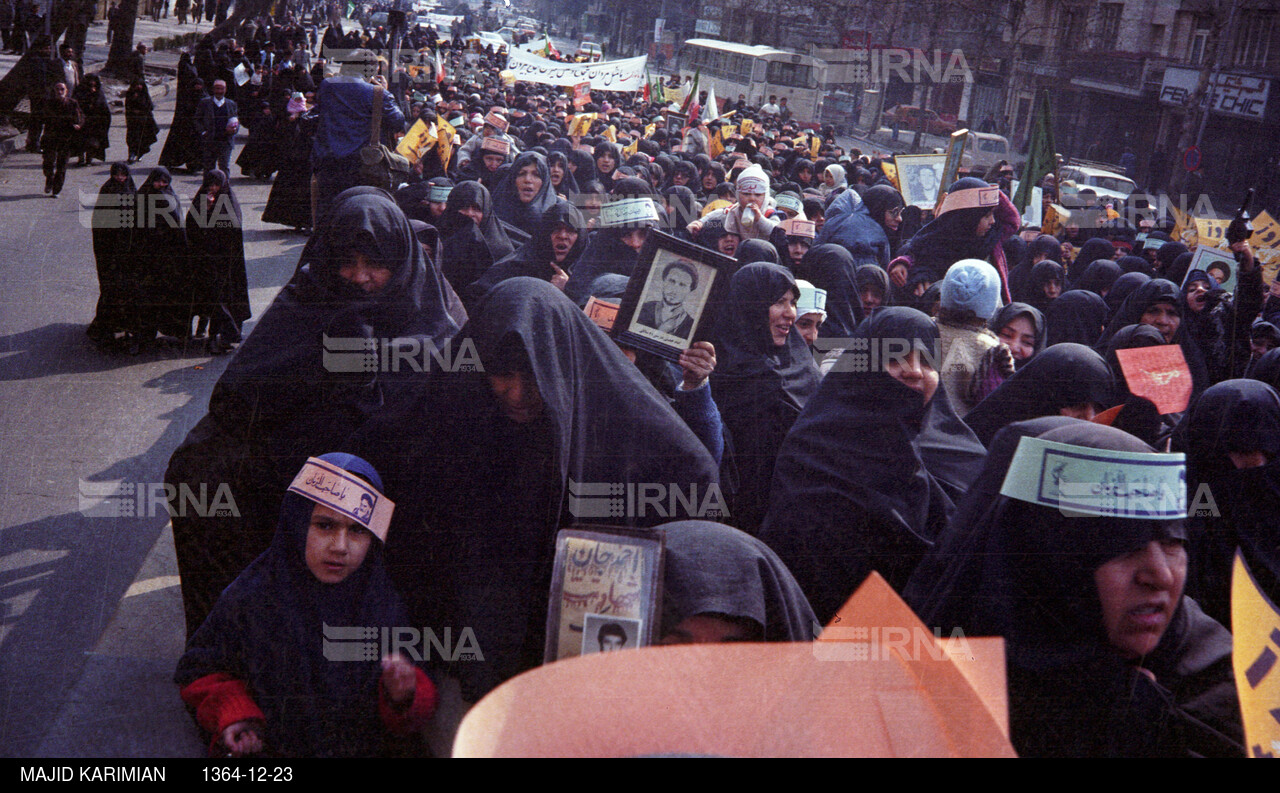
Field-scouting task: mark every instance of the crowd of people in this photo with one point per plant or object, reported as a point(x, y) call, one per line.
point(872, 386)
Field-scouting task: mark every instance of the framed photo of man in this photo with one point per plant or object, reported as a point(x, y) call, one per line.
point(1219, 263)
point(676, 122)
point(669, 301)
point(920, 178)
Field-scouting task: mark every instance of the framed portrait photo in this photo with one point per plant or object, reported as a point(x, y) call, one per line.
point(676, 122)
point(1219, 263)
point(605, 584)
point(671, 298)
point(920, 178)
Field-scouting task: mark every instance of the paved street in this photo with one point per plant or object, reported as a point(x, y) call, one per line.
point(92, 618)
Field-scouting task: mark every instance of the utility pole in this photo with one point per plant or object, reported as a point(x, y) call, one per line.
point(1217, 66)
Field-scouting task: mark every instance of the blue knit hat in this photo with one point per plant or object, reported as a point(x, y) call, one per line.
point(973, 285)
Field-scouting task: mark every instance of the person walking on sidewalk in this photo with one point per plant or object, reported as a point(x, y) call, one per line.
point(62, 121)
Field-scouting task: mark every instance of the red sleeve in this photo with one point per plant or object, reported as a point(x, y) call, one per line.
point(219, 701)
point(414, 717)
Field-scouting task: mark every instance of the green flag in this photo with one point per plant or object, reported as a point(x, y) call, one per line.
point(1041, 155)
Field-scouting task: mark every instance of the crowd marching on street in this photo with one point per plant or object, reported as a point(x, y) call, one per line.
point(662, 287)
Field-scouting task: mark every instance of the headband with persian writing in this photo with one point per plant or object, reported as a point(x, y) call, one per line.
point(439, 193)
point(634, 212)
point(789, 202)
point(796, 227)
point(496, 146)
point(1080, 480)
point(345, 493)
point(496, 120)
point(987, 197)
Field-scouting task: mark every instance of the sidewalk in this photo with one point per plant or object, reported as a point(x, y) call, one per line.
point(162, 67)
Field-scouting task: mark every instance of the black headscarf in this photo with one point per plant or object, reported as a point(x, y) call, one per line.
point(871, 276)
point(1267, 368)
point(469, 248)
point(1026, 572)
point(830, 267)
point(506, 200)
point(1077, 316)
point(1012, 311)
point(282, 399)
point(413, 199)
point(878, 200)
point(534, 258)
point(267, 630)
point(754, 250)
point(113, 222)
point(1041, 274)
point(568, 183)
point(1122, 288)
point(693, 182)
point(950, 237)
point(157, 260)
point(478, 507)
point(606, 252)
point(1166, 255)
point(215, 242)
point(1135, 264)
point(1061, 376)
point(868, 475)
point(1099, 276)
point(710, 568)
point(1094, 249)
point(1233, 416)
point(759, 387)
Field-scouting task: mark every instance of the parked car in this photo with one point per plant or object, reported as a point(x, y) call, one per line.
point(590, 51)
point(1105, 183)
point(983, 150)
point(907, 117)
point(488, 38)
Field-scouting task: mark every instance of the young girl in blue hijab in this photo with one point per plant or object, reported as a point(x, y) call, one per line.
point(262, 676)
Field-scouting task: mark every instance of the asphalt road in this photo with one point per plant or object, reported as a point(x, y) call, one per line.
point(92, 625)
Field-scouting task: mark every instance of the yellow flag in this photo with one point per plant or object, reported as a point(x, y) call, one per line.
point(417, 141)
point(1266, 231)
point(581, 124)
point(815, 145)
point(1255, 631)
point(445, 136)
point(715, 146)
point(630, 148)
point(1182, 225)
point(649, 130)
point(891, 173)
point(611, 134)
point(747, 126)
point(1210, 232)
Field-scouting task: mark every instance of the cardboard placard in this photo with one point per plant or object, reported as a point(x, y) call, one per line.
point(601, 312)
point(605, 581)
point(581, 94)
point(1159, 374)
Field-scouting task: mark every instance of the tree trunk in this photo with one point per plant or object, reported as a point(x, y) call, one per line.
point(122, 38)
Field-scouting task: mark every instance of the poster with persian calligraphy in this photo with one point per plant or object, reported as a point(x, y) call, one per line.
point(605, 591)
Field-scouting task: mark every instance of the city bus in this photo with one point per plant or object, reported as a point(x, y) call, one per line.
point(757, 71)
